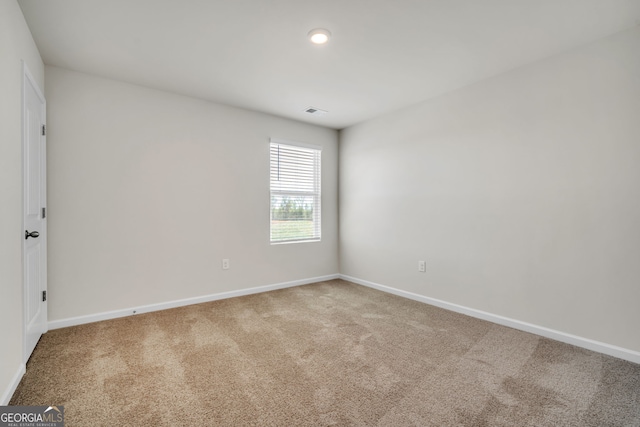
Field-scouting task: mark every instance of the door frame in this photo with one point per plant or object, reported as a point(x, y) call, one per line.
point(29, 80)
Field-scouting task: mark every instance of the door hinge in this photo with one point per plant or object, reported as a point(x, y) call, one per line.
point(44, 213)
point(44, 130)
point(44, 296)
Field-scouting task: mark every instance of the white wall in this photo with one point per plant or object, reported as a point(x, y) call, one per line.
point(149, 190)
point(521, 192)
point(16, 45)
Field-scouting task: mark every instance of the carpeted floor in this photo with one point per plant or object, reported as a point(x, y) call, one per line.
point(331, 353)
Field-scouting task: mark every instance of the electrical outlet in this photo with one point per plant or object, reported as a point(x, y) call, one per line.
point(422, 266)
point(225, 264)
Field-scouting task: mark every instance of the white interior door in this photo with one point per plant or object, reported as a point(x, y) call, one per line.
point(34, 252)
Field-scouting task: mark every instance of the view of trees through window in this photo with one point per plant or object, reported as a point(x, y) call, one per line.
point(285, 208)
point(291, 218)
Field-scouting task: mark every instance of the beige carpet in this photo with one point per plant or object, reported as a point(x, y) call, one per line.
point(331, 353)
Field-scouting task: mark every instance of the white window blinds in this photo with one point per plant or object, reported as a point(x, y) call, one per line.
point(295, 192)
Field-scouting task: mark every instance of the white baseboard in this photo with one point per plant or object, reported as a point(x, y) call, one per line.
point(15, 381)
point(73, 321)
point(600, 347)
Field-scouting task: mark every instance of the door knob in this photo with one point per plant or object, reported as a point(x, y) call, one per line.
point(33, 234)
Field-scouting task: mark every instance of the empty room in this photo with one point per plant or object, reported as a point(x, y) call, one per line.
point(288, 212)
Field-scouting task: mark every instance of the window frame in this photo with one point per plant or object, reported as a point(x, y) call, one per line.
point(316, 193)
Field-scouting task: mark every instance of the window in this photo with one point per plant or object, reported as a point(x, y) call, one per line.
point(295, 192)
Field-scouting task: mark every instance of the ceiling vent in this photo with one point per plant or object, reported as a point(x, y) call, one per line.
point(315, 111)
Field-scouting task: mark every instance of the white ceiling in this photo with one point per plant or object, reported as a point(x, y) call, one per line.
point(254, 54)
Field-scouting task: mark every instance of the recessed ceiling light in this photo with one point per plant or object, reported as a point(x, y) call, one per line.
point(319, 36)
